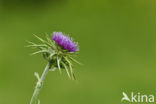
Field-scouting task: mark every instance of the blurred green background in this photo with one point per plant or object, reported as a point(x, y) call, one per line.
point(117, 41)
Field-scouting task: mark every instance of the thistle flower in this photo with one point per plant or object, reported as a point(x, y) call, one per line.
point(65, 42)
point(59, 53)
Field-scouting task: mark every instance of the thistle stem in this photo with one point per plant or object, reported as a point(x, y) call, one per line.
point(39, 84)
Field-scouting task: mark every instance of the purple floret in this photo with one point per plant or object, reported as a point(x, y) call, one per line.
point(65, 41)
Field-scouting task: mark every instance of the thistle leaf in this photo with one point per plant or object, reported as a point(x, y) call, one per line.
point(37, 76)
point(75, 61)
point(39, 38)
point(35, 45)
point(53, 69)
point(47, 43)
point(38, 101)
point(66, 70)
point(48, 39)
point(58, 64)
point(51, 55)
point(70, 66)
point(30, 42)
point(42, 51)
point(67, 60)
point(74, 76)
point(72, 73)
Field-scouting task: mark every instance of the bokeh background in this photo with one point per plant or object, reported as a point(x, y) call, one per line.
point(117, 41)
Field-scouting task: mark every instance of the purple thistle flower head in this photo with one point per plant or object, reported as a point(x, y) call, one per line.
point(65, 41)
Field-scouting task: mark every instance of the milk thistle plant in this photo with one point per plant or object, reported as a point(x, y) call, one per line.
point(59, 51)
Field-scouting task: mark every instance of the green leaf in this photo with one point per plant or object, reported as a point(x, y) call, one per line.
point(53, 69)
point(37, 76)
point(47, 43)
point(75, 61)
point(74, 76)
point(30, 42)
point(38, 101)
point(35, 45)
point(66, 70)
point(39, 38)
point(58, 64)
point(51, 55)
point(49, 40)
point(42, 51)
point(70, 66)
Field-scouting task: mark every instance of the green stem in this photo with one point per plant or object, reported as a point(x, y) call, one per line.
point(39, 84)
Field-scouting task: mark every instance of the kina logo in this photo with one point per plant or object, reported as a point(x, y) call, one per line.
point(137, 97)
